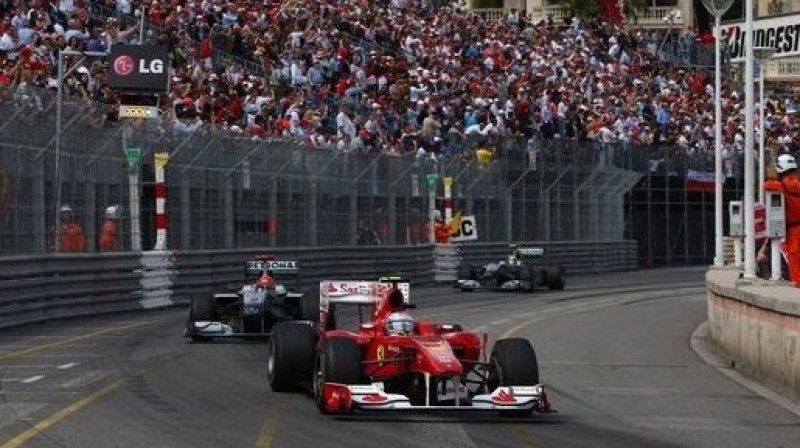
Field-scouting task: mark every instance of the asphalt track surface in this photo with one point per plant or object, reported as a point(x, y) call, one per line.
point(615, 352)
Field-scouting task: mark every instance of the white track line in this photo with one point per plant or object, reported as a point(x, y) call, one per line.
point(32, 379)
point(67, 365)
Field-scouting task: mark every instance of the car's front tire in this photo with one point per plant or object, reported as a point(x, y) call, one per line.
point(200, 310)
point(513, 363)
point(338, 361)
point(290, 356)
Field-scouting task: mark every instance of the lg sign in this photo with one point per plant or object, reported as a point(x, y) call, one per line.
point(139, 68)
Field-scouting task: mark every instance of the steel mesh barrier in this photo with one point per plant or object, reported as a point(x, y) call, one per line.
point(227, 191)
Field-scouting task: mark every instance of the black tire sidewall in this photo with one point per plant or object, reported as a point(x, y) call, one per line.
point(514, 363)
point(291, 355)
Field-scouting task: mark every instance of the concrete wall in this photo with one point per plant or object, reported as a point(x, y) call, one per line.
point(754, 327)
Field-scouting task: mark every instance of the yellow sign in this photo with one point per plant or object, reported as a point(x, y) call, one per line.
point(447, 181)
point(129, 111)
point(380, 353)
point(161, 159)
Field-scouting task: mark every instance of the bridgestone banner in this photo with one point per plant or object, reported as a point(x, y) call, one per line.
point(139, 68)
point(781, 32)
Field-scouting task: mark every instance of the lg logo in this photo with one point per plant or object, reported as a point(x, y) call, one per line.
point(124, 66)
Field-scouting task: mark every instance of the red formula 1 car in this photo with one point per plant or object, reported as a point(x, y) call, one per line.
point(391, 362)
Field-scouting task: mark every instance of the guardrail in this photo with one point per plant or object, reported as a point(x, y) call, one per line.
point(42, 288)
point(37, 289)
point(207, 271)
point(578, 257)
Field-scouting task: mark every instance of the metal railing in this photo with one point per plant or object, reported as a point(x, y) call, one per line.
point(652, 17)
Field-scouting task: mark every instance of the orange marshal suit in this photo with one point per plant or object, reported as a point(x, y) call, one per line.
point(789, 185)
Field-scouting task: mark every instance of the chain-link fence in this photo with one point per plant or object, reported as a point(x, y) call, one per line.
point(229, 192)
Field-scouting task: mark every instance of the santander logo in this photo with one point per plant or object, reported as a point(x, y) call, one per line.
point(504, 397)
point(374, 398)
point(123, 65)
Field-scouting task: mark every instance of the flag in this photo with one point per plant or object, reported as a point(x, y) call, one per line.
point(700, 181)
point(613, 11)
point(455, 224)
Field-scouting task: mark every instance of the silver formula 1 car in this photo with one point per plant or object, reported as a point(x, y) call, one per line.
point(271, 295)
point(523, 270)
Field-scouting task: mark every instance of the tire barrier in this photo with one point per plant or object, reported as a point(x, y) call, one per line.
point(446, 260)
point(41, 288)
point(156, 279)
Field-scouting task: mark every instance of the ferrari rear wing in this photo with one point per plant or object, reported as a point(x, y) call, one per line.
point(358, 292)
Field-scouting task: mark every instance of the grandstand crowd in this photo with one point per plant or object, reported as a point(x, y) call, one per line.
point(400, 76)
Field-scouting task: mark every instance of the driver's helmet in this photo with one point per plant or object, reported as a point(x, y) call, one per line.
point(265, 281)
point(399, 324)
point(513, 254)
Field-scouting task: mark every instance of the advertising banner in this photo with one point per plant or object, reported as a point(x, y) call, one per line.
point(139, 68)
point(781, 32)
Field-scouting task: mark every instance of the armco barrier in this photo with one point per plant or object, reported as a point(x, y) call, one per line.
point(37, 289)
point(208, 271)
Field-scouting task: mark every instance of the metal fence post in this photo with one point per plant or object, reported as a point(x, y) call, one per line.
point(228, 211)
point(272, 206)
point(509, 202)
point(40, 217)
point(90, 227)
point(312, 204)
point(186, 213)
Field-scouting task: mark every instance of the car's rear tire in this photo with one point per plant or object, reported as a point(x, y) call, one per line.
point(338, 361)
point(201, 309)
point(555, 278)
point(467, 272)
point(513, 363)
point(527, 278)
point(290, 356)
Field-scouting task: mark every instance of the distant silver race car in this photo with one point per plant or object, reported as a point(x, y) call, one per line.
point(521, 271)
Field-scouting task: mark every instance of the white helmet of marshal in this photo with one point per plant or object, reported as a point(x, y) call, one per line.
point(786, 162)
point(113, 212)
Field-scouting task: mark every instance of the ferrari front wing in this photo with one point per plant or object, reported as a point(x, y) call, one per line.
point(344, 398)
